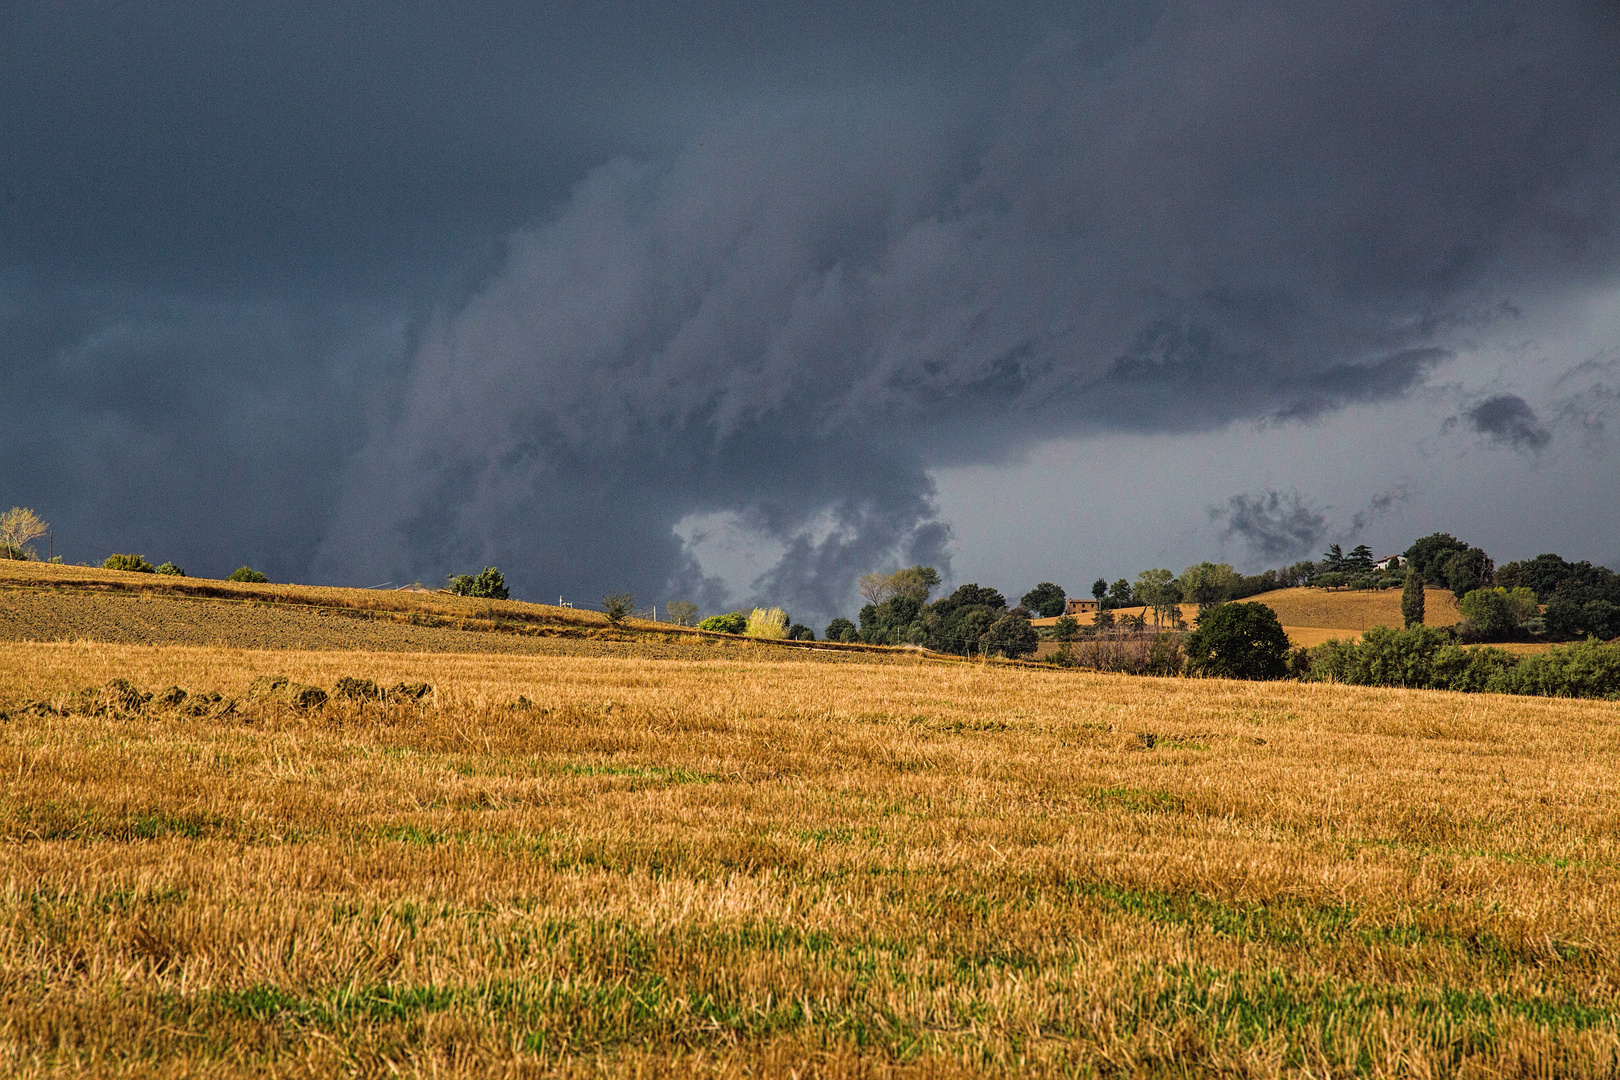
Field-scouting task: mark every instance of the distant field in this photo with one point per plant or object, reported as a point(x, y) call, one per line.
point(1312, 616)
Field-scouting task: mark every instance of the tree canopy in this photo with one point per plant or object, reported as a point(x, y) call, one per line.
point(1046, 599)
point(1238, 641)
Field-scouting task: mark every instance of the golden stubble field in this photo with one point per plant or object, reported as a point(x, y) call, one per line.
point(1313, 616)
point(773, 864)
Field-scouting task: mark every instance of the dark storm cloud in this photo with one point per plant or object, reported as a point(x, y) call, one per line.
point(1276, 528)
point(1591, 401)
point(1508, 420)
point(777, 266)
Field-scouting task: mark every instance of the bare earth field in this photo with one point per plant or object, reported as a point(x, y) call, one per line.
point(757, 862)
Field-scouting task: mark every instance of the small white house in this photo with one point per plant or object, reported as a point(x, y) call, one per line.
point(1389, 562)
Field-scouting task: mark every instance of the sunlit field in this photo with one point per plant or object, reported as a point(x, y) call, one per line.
point(773, 862)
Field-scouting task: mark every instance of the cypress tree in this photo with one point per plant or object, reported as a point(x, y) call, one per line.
point(1412, 599)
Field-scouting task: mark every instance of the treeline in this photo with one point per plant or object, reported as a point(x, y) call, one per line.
point(1546, 598)
point(1428, 658)
point(971, 621)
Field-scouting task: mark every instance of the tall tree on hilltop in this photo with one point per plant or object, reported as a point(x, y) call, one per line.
point(1412, 600)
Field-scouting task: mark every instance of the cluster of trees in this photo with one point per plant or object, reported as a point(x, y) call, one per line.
point(1442, 559)
point(1581, 600)
point(971, 621)
point(488, 584)
point(1545, 598)
point(1205, 584)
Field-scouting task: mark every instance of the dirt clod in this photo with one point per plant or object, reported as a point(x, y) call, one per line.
point(169, 698)
point(410, 691)
point(356, 689)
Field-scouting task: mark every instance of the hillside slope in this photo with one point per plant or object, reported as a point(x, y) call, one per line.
point(1312, 616)
point(43, 602)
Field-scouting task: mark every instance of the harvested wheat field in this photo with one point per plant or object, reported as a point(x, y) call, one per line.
point(762, 863)
point(1313, 616)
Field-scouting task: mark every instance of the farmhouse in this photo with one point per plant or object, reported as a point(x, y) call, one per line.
point(1077, 606)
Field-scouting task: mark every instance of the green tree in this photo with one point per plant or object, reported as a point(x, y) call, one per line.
point(136, 563)
point(1158, 590)
point(1467, 570)
point(618, 606)
point(917, 582)
point(1209, 584)
point(1099, 589)
point(488, 585)
point(247, 574)
point(1120, 594)
point(1333, 560)
point(1412, 600)
point(1046, 599)
point(171, 569)
point(1238, 641)
point(1011, 636)
point(1426, 555)
point(842, 630)
point(1360, 560)
point(1067, 628)
point(955, 623)
point(1497, 614)
point(681, 612)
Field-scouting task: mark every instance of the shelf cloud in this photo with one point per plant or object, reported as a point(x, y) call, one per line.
point(791, 299)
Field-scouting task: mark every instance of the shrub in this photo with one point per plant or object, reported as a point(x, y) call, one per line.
point(135, 563)
point(1426, 658)
point(800, 632)
point(766, 623)
point(488, 585)
point(1383, 657)
point(617, 606)
point(1497, 614)
point(171, 569)
point(735, 623)
point(248, 574)
point(1136, 654)
point(1067, 628)
point(1011, 636)
point(1238, 641)
point(842, 630)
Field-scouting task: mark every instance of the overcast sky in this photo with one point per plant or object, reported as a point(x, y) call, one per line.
point(735, 302)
